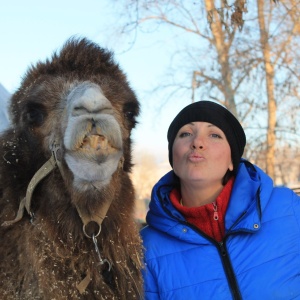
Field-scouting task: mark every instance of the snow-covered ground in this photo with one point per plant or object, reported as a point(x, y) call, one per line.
point(4, 97)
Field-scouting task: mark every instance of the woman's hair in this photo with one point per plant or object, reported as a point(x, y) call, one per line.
point(227, 176)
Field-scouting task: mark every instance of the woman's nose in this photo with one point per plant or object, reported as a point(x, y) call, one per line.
point(197, 143)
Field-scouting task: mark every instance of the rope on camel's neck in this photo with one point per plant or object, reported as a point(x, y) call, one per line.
point(86, 217)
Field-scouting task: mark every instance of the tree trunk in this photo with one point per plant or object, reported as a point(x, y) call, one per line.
point(269, 70)
point(222, 47)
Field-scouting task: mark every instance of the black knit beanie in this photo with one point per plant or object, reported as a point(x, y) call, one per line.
point(216, 114)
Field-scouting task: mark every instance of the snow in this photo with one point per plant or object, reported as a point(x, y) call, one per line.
point(4, 97)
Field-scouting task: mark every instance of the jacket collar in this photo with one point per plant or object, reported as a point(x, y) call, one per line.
point(250, 195)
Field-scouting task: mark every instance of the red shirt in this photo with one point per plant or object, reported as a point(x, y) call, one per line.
point(208, 218)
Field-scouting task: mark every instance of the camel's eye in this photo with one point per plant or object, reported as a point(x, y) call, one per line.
point(129, 115)
point(131, 110)
point(35, 114)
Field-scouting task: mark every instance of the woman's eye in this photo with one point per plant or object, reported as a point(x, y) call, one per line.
point(184, 134)
point(215, 135)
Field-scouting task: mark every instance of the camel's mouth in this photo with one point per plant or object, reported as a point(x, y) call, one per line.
point(94, 157)
point(94, 142)
point(97, 144)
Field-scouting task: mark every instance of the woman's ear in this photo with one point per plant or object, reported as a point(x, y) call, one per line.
point(230, 168)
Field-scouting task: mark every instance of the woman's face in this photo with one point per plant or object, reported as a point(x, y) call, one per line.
point(201, 152)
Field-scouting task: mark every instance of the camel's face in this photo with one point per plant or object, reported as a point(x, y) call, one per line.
point(89, 121)
point(92, 136)
point(90, 124)
point(80, 101)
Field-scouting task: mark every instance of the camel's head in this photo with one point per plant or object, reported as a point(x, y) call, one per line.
point(81, 102)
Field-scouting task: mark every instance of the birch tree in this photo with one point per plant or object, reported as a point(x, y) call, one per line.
point(241, 54)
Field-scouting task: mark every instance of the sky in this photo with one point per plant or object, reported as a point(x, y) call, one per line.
point(32, 30)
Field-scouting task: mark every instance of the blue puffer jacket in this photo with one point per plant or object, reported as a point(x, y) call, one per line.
point(258, 259)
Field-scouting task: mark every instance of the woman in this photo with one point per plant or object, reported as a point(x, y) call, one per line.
point(217, 227)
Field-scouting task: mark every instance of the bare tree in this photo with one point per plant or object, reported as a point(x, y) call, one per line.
point(146, 172)
point(269, 74)
point(279, 31)
point(240, 56)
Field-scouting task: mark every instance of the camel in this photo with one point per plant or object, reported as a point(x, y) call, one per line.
point(66, 199)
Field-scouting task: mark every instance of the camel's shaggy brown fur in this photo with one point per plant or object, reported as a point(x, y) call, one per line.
point(81, 101)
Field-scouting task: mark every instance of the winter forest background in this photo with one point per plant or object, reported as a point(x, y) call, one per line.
point(243, 54)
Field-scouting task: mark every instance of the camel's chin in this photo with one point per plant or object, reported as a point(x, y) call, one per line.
point(93, 170)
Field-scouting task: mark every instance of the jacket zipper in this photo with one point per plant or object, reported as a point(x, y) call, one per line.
point(229, 271)
point(230, 275)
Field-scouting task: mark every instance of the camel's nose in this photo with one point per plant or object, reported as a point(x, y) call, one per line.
point(88, 98)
